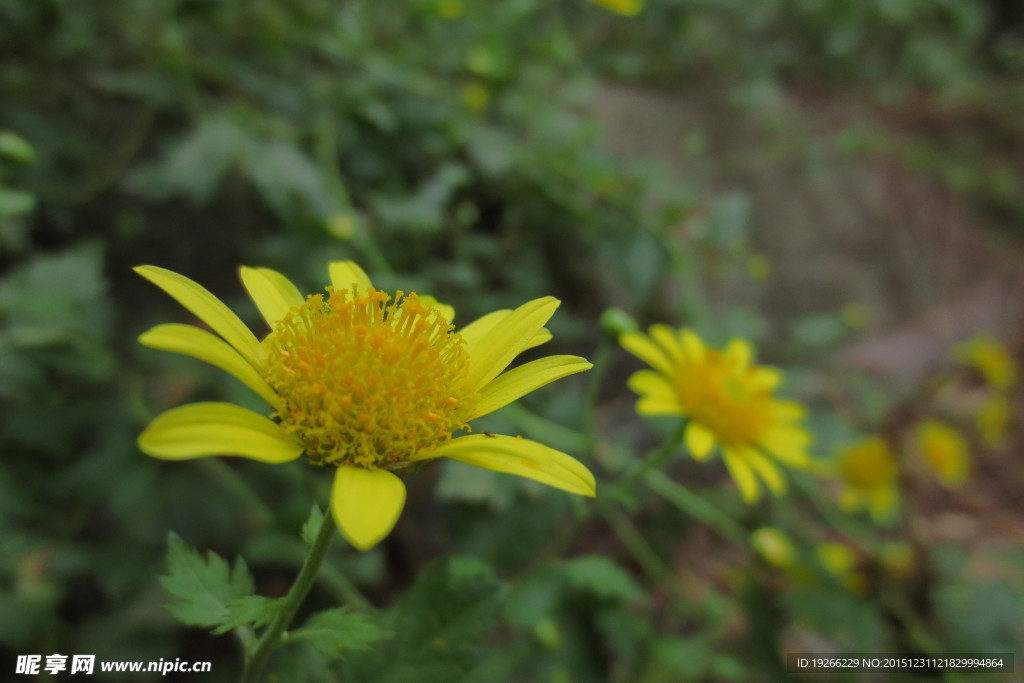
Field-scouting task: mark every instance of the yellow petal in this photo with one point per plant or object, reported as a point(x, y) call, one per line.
point(521, 457)
point(738, 353)
point(446, 311)
point(207, 308)
point(699, 440)
point(693, 348)
point(344, 274)
point(273, 293)
point(366, 504)
point(542, 337)
point(788, 445)
point(766, 378)
point(768, 471)
point(657, 405)
point(666, 338)
point(641, 346)
point(496, 348)
point(200, 344)
point(650, 383)
point(788, 410)
point(743, 476)
point(201, 429)
point(520, 381)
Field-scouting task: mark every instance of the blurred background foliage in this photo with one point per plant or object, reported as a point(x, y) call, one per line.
point(840, 182)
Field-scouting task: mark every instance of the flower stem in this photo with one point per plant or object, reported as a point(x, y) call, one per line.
point(257, 659)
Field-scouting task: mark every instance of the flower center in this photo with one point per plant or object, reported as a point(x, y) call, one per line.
point(368, 379)
point(726, 400)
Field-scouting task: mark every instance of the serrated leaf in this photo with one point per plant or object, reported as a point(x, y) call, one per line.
point(311, 528)
point(204, 589)
point(602, 578)
point(251, 610)
point(338, 631)
point(439, 625)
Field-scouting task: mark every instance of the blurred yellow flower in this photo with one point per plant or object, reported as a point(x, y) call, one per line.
point(476, 97)
point(991, 359)
point(774, 546)
point(360, 380)
point(944, 449)
point(869, 476)
point(450, 9)
point(992, 418)
point(759, 267)
point(628, 8)
point(841, 562)
point(728, 400)
point(897, 560)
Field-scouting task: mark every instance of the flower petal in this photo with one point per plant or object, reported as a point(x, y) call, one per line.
point(344, 274)
point(472, 332)
point(658, 405)
point(650, 383)
point(738, 353)
point(495, 349)
point(768, 471)
point(692, 345)
point(641, 346)
point(273, 293)
point(366, 504)
point(667, 340)
point(742, 475)
point(520, 381)
point(446, 311)
point(207, 308)
point(788, 445)
point(699, 440)
point(200, 344)
point(201, 429)
point(521, 457)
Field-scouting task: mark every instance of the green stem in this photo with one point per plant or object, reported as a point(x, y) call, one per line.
point(590, 401)
point(230, 480)
point(296, 594)
point(695, 506)
point(639, 548)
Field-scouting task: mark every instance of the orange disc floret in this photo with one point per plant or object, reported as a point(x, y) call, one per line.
point(368, 379)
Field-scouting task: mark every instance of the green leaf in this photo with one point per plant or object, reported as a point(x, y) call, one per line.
point(602, 578)
point(15, 202)
point(205, 590)
point(439, 625)
point(16, 147)
point(311, 528)
point(251, 610)
point(338, 631)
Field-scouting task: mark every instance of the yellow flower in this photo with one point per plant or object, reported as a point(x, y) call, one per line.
point(774, 546)
point(869, 475)
point(992, 419)
point(728, 401)
point(842, 563)
point(626, 8)
point(365, 382)
point(991, 359)
point(945, 450)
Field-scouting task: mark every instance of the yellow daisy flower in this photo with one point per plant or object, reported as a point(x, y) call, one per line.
point(944, 449)
point(365, 382)
point(627, 8)
point(991, 359)
point(869, 474)
point(728, 400)
point(774, 546)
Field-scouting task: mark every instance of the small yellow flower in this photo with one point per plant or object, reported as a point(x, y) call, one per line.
point(945, 450)
point(992, 418)
point(728, 400)
point(991, 359)
point(842, 563)
point(627, 8)
point(870, 476)
point(476, 97)
point(774, 546)
point(365, 382)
